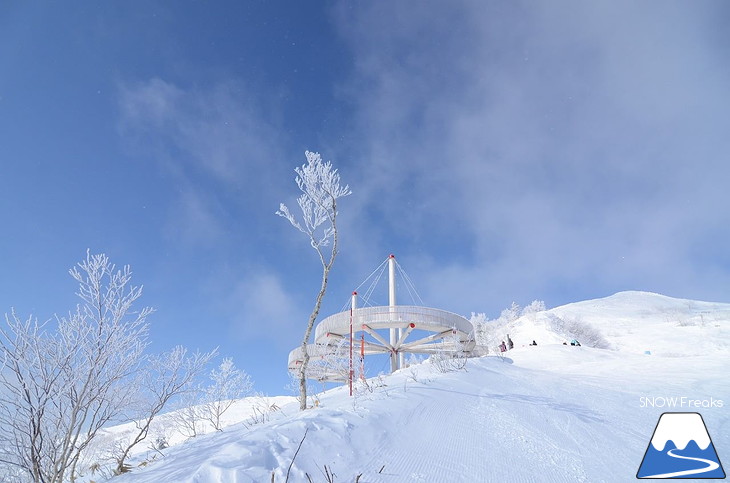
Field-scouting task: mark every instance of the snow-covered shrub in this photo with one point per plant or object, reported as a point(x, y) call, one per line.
point(259, 415)
point(573, 328)
point(452, 355)
point(160, 443)
point(229, 384)
point(189, 415)
point(261, 410)
point(679, 317)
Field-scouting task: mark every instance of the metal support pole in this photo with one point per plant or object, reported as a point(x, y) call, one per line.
point(391, 303)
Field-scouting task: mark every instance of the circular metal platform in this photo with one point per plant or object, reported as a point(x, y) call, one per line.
point(433, 331)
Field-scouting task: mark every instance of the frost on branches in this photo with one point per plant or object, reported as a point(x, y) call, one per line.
point(320, 189)
point(164, 377)
point(61, 382)
point(229, 384)
point(203, 405)
point(488, 333)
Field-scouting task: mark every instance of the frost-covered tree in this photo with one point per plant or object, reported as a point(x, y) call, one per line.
point(60, 387)
point(320, 186)
point(483, 332)
point(510, 314)
point(189, 416)
point(531, 311)
point(451, 354)
point(164, 377)
point(63, 380)
point(488, 333)
point(534, 307)
point(229, 383)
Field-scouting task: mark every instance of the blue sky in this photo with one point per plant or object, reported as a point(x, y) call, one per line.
point(504, 151)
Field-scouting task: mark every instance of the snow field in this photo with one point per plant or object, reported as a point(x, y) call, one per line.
point(550, 413)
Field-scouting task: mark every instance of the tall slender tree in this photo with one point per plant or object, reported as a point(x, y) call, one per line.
point(320, 186)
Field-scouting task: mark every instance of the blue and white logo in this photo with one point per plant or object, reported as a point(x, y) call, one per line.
point(681, 448)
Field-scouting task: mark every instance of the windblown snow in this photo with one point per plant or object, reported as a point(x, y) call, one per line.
point(550, 413)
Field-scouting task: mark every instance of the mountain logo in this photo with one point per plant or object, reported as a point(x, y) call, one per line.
point(681, 448)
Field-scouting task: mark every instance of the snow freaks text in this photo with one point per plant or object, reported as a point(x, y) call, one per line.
point(679, 402)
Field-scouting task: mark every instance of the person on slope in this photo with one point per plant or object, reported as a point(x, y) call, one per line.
point(502, 347)
point(533, 343)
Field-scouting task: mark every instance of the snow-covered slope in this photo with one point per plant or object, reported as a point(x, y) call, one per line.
point(638, 322)
point(246, 411)
point(546, 413)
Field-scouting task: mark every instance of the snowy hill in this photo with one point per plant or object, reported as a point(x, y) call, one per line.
point(637, 322)
point(546, 413)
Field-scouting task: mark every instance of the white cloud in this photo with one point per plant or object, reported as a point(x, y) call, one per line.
point(261, 308)
point(221, 131)
point(195, 220)
point(217, 151)
point(560, 149)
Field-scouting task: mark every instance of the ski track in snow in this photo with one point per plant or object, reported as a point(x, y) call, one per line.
point(442, 452)
point(439, 452)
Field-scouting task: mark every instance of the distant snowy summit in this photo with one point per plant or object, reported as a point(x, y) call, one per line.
point(640, 303)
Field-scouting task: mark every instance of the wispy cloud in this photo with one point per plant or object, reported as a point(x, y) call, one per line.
point(195, 219)
point(572, 149)
point(221, 130)
point(217, 147)
point(261, 308)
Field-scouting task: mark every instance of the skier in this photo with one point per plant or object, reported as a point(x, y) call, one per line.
point(502, 347)
point(533, 343)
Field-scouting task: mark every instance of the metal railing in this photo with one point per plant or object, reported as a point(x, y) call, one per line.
point(387, 317)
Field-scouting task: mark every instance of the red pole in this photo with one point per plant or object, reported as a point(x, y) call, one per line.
point(352, 309)
point(362, 355)
point(350, 376)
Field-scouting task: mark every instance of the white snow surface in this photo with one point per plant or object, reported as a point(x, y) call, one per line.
point(550, 413)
